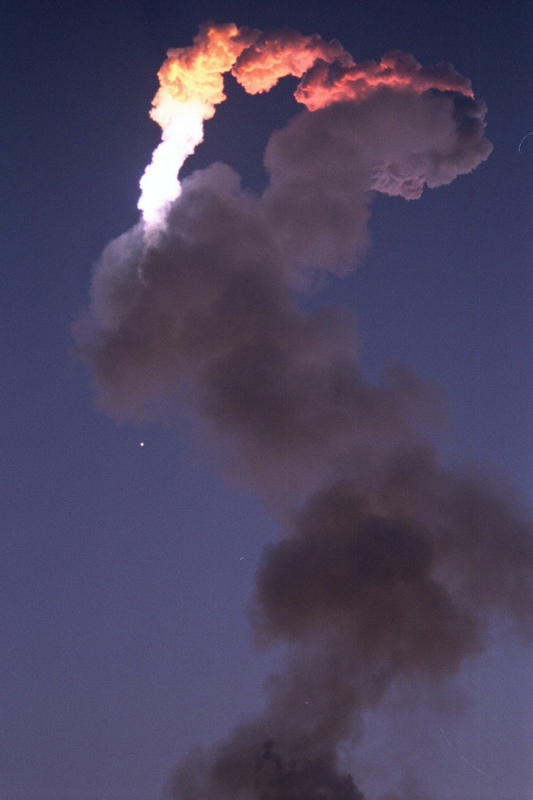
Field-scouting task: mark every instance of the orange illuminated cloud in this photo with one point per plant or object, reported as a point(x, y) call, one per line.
point(274, 55)
point(325, 83)
point(195, 74)
point(192, 84)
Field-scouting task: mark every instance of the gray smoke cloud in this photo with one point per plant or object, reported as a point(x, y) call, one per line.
point(396, 578)
point(391, 565)
point(323, 165)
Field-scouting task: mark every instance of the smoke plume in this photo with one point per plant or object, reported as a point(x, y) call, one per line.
point(391, 565)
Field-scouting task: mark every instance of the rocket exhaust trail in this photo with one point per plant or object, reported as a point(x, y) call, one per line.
point(392, 566)
point(192, 85)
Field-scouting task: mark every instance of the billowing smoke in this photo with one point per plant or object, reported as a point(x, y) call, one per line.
point(391, 565)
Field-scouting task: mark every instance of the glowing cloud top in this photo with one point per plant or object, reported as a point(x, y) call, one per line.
point(192, 85)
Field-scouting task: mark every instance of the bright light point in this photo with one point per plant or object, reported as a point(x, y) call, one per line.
point(142, 444)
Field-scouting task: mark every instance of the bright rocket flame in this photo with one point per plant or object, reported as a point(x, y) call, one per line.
point(192, 85)
point(181, 135)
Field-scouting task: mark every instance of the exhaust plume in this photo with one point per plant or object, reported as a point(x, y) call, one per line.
point(192, 85)
point(392, 566)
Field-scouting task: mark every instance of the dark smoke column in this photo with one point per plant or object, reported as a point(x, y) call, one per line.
point(391, 566)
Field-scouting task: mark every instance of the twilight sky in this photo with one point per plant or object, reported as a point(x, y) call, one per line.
point(129, 570)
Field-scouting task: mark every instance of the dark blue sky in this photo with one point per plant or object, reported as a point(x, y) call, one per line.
point(125, 570)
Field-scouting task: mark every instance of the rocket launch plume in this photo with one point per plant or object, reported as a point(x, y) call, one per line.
point(392, 566)
point(192, 85)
